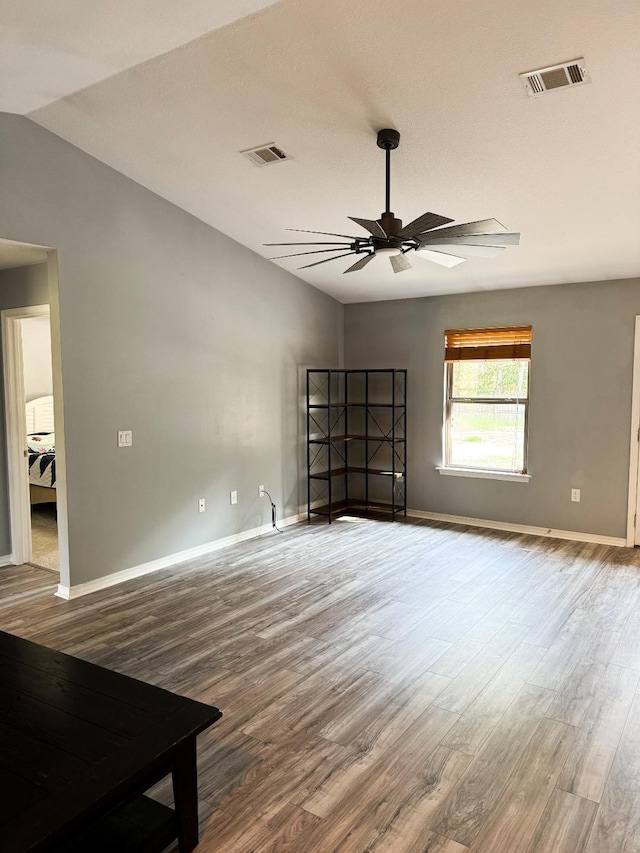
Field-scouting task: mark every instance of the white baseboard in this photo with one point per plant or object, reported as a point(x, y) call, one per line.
point(571, 535)
point(78, 590)
point(68, 592)
point(7, 560)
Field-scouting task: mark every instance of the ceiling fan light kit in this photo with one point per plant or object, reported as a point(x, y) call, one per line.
point(447, 246)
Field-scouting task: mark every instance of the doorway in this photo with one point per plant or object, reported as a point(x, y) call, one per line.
point(33, 423)
point(41, 444)
point(30, 415)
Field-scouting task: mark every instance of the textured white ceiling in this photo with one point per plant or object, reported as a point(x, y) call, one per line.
point(51, 49)
point(320, 78)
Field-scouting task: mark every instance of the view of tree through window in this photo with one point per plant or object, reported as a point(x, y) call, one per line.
point(486, 414)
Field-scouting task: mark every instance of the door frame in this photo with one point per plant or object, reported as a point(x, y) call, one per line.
point(634, 443)
point(16, 429)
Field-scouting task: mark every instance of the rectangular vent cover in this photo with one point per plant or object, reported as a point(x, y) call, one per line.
point(562, 76)
point(265, 155)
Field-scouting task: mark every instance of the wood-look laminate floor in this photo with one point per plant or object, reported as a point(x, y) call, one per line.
point(410, 687)
point(44, 537)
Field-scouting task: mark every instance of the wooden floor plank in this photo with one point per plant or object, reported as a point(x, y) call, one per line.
point(464, 812)
point(406, 832)
point(574, 701)
point(616, 828)
point(587, 768)
point(565, 824)
point(474, 677)
point(484, 713)
point(399, 757)
point(512, 822)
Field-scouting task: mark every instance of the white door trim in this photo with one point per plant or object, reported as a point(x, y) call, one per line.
point(634, 442)
point(16, 426)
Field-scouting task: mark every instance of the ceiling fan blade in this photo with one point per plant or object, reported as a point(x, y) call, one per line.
point(423, 223)
point(361, 263)
point(371, 226)
point(482, 226)
point(297, 254)
point(506, 239)
point(325, 233)
point(467, 251)
point(314, 243)
point(324, 261)
point(399, 263)
point(439, 258)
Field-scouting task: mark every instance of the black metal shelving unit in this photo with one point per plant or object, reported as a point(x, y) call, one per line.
point(356, 443)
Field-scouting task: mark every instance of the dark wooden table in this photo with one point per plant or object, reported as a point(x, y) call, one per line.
point(79, 746)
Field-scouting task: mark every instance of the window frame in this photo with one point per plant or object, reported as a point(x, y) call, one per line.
point(450, 400)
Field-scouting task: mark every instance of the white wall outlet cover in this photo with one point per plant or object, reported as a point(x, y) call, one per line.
point(233, 497)
point(201, 505)
point(575, 495)
point(260, 491)
point(125, 438)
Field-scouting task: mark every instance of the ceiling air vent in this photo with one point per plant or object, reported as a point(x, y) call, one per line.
point(264, 155)
point(562, 76)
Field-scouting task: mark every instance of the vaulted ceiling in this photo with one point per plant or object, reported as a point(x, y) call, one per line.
point(169, 94)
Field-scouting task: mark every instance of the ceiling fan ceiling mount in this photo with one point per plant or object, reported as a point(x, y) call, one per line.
point(448, 246)
point(388, 139)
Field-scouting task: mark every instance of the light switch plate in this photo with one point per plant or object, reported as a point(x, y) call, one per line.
point(125, 438)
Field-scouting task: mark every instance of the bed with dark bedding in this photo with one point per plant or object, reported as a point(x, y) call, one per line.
point(41, 450)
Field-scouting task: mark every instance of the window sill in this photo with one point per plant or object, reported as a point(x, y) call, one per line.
point(483, 474)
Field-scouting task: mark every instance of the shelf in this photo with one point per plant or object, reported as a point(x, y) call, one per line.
point(375, 405)
point(337, 439)
point(338, 371)
point(357, 406)
point(362, 421)
point(339, 472)
point(340, 507)
point(141, 826)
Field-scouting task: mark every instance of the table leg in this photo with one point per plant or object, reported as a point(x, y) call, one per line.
point(185, 795)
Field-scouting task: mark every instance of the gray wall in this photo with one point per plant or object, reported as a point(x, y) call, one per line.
point(173, 330)
point(18, 287)
point(580, 399)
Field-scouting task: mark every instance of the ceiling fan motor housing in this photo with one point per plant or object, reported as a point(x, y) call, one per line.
point(391, 226)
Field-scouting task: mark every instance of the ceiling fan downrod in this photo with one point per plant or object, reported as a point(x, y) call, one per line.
point(388, 139)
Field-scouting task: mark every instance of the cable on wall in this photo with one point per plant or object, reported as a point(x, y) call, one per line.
point(273, 512)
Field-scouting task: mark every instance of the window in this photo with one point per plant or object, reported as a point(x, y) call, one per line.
point(487, 399)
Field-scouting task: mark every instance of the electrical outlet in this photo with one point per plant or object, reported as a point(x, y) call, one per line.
point(575, 495)
point(260, 491)
point(233, 498)
point(201, 505)
point(125, 438)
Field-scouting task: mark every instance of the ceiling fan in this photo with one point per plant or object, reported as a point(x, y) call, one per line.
point(448, 247)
